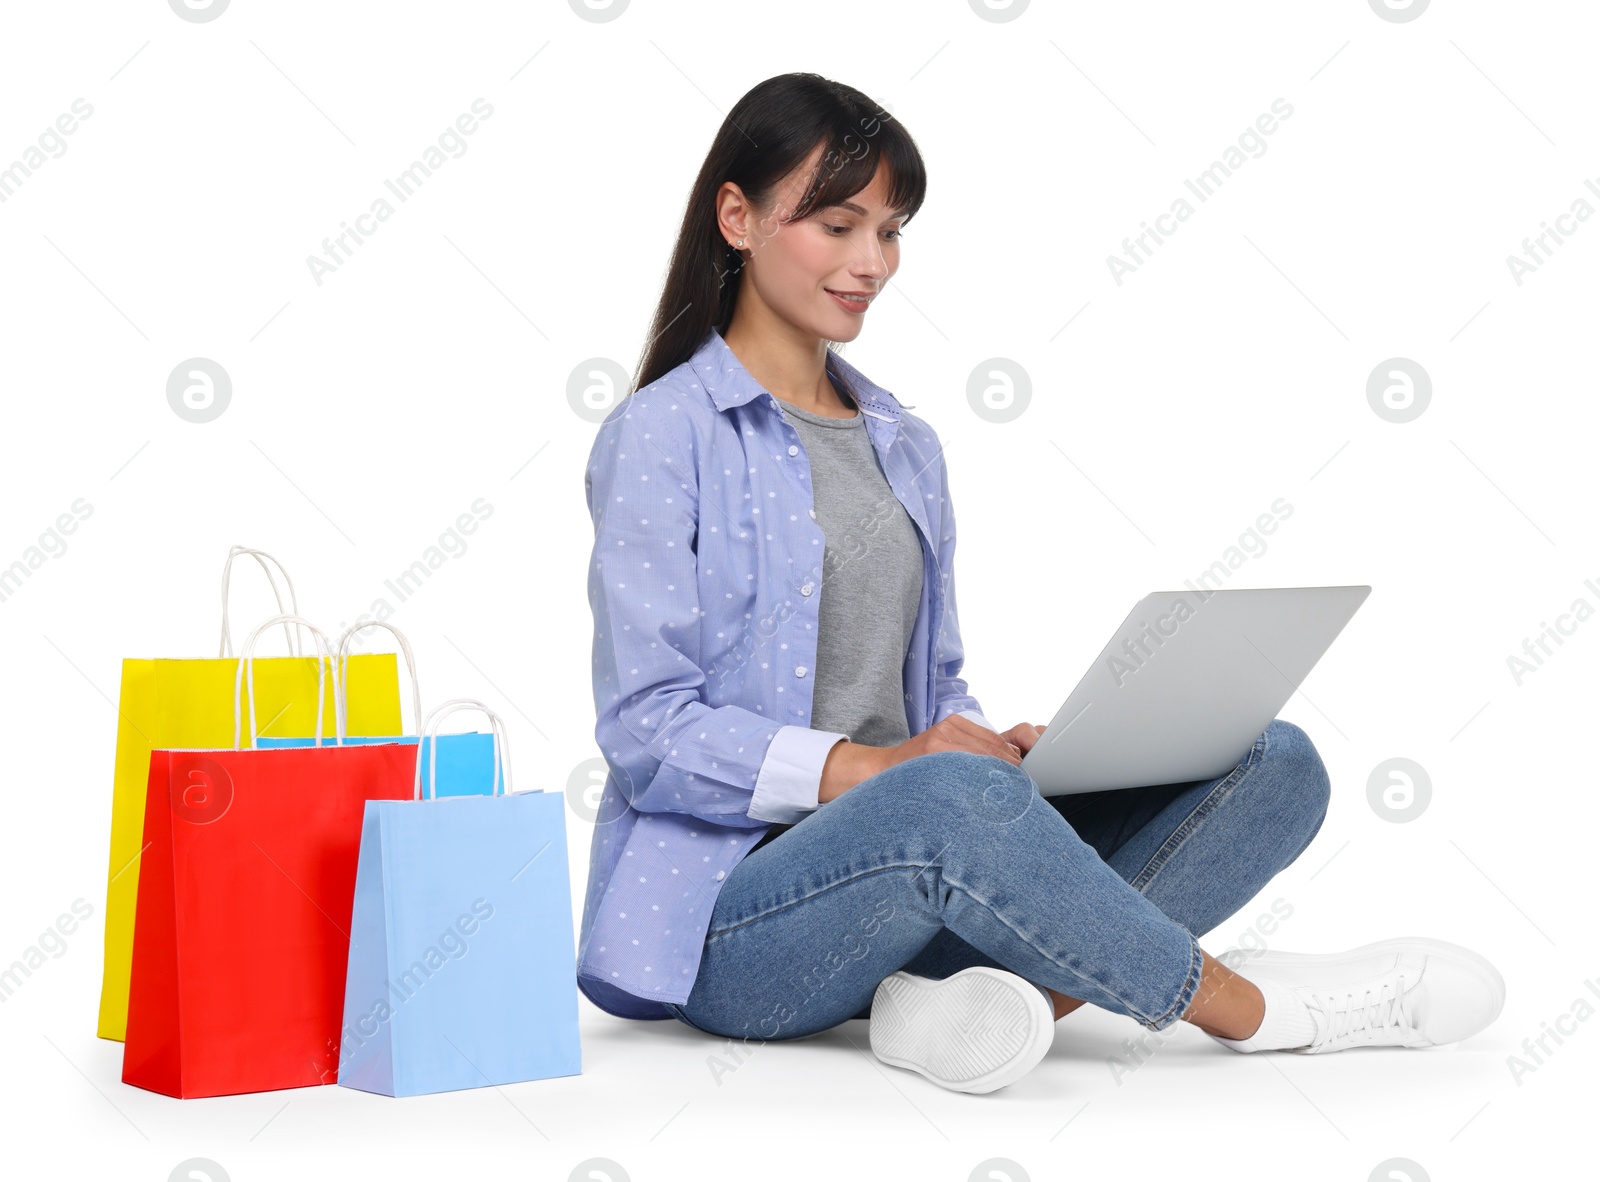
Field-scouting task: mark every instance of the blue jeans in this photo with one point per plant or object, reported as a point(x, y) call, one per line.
point(953, 859)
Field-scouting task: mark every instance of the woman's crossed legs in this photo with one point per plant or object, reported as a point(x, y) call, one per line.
point(953, 860)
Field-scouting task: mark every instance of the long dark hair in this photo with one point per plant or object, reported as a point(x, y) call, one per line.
point(767, 135)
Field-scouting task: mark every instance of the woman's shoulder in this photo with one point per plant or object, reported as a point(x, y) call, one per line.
point(667, 423)
point(672, 407)
point(675, 399)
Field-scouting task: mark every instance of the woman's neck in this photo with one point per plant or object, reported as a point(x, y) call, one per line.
point(789, 367)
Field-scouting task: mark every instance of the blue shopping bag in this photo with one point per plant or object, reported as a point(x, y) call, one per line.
point(462, 960)
point(465, 761)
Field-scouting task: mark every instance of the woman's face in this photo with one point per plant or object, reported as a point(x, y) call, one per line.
point(804, 271)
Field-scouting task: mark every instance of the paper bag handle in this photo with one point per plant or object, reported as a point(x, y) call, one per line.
point(431, 727)
point(225, 648)
point(341, 702)
point(247, 667)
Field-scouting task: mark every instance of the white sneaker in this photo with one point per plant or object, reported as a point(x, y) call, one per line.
point(974, 1031)
point(1407, 992)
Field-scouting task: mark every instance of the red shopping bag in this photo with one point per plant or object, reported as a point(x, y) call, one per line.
point(242, 927)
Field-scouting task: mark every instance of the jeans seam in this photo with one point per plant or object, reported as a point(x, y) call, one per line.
point(1183, 832)
point(782, 907)
point(1129, 1006)
point(1191, 986)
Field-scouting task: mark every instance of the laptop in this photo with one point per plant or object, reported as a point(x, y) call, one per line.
point(1186, 685)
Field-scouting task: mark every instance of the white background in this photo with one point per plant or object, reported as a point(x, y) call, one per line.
point(371, 410)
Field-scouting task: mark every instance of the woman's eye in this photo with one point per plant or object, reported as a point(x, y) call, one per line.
point(894, 235)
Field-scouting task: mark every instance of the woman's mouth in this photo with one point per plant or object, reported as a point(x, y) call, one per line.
point(850, 303)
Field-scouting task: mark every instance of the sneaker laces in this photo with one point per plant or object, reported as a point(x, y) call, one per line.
point(1343, 1022)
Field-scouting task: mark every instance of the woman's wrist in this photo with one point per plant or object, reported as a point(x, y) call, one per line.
point(847, 765)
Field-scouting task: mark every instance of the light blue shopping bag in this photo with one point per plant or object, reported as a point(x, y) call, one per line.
point(462, 960)
point(465, 761)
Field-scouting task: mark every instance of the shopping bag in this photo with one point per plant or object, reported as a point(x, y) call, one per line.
point(184, 703)
point(465, 761)
point(461, 970)
point(241, 931)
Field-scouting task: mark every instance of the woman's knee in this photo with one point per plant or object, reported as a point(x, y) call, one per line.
point(1299, 769)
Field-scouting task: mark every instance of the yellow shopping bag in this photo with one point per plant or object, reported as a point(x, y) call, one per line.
point(167, 704)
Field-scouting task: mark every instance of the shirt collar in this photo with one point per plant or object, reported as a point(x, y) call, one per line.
point(729, 383)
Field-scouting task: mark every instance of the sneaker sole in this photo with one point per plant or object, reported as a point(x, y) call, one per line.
point(974, 1031)
point(1239, 959)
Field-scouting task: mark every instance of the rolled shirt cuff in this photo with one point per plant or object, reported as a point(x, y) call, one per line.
point(979, 719)
point(790, 779)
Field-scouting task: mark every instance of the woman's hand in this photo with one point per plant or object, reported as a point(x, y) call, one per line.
point(955, 733)
point(1024, 735)
point(848, 764)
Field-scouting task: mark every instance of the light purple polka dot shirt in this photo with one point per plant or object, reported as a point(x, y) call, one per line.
point(703, 580)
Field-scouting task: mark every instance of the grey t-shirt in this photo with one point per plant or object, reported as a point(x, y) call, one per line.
point(871, 583)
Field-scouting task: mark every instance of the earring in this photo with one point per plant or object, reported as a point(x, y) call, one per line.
point(739, 245)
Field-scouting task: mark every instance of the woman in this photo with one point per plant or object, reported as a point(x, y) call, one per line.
point(808, 817)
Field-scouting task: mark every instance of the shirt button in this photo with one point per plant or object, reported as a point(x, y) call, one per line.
point(813, 513)
point(806, 589)
point(793, 450)
point(799, 670)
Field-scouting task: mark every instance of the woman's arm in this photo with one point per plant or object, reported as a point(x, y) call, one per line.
point(670, 750)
